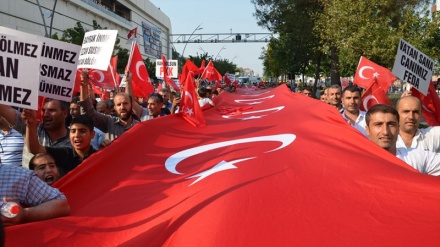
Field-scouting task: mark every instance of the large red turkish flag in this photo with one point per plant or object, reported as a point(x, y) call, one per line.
point(369, 71)
point(189, 105)
point(278, 174)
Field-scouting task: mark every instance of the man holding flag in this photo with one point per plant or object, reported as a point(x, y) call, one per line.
point(110, 125)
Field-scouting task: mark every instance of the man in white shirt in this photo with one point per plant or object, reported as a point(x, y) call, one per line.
point(410, 136)
point(351, 99)
point(383, 128)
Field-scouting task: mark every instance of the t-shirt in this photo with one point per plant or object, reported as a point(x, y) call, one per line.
point(205, 101)
point(67, 159)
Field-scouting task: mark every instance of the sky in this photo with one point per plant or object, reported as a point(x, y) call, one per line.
point(218, 16)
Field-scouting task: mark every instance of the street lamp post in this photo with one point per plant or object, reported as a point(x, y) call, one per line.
point(232, 61)
point(47, 34)
point(197, 28)
point(219, 52)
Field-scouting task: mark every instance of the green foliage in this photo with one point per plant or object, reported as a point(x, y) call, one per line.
point(151, 68)
point(221, 65)
point(297, 45)
point(307, 30)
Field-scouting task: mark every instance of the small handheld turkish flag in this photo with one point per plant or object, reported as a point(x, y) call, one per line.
point(374, 95)
point(368, 71)
point(141, 80)
point(187, 67)
point(166, 77)
point(189, 104)
point(132, 33)
point(210, 73)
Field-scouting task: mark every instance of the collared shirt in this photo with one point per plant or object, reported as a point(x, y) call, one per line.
point(424, 139)
point(66, 158)
point(43, 138)
point(423, 161)
point(11, 148)
point(359, 124)
point(341, 110)
point(110, 125)
point(25, 187)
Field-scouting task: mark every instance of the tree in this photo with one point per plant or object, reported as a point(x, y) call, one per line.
point(221, 65)
point(315, 31)
point(297, 45)
point(372, 29)
point(151, 68)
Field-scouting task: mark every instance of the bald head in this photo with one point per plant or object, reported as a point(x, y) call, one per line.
point(410, 112)
point(408, 100)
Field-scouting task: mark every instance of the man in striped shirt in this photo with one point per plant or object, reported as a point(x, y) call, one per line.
point(11, 144)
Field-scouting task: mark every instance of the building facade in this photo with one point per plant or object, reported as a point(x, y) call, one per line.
point(34, 16)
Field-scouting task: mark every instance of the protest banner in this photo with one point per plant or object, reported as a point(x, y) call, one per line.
point(97, 49)
point(19, 67)
point(412, 66)
point(58, 65)
point(171, 68)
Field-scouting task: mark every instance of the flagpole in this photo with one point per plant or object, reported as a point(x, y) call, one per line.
point(113, 76)
point(206, 67)
point(131, 54)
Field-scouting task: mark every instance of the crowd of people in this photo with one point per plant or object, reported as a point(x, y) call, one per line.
point(394, 129)
point(35, 154)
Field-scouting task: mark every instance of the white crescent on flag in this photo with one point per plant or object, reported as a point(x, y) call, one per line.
point(270, 110)
point(172, 162)
point(101, 75)
point(250, 100)
point(187, 94)
point(361, 71)
point(138, 65)
point(368, 98)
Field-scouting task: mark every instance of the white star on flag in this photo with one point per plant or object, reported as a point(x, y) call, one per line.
point(189, 111)
point(376, 75)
